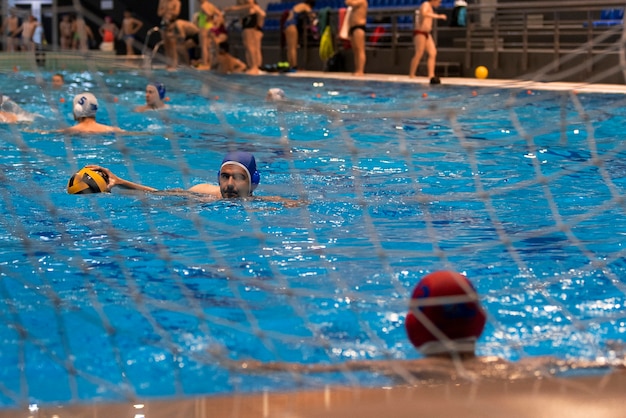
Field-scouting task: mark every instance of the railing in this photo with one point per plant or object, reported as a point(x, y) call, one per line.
point(562, 28)
point(573, 27)
point(148, 53)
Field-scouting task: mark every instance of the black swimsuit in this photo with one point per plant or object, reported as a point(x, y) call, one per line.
point(250, 22)
point(356, 27)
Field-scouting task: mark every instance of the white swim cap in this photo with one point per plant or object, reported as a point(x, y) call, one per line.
point(275, 94)
point(85, 105)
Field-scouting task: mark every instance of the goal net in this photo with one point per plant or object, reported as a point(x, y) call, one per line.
point(367, 185)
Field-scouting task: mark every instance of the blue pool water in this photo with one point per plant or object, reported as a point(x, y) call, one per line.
point(106, 297)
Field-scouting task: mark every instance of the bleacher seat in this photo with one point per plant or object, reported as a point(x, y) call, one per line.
point(609, 17)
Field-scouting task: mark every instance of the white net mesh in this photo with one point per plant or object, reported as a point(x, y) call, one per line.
point(135, 295)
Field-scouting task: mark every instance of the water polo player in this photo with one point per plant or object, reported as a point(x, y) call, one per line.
point(84, 107)
point(155, 95)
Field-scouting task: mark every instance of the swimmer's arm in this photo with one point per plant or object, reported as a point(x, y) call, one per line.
point(205, 188)
point(290, 203)
point(354, 3)
point(236, 8)
point(114, 180)
point(209, 9)
point(136, 24)
point(238, 66)
point(429, 12)
point(259, 10)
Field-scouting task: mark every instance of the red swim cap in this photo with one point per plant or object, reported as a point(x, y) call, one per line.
point(444, 307)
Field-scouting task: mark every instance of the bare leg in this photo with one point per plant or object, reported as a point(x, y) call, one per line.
point(249, 41)
point(358, 47)
point(291, 36)
point(432, 57)
point(420, 44)
point(259, 50)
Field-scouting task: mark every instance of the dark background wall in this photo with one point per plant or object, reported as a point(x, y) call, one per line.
point(144, 10)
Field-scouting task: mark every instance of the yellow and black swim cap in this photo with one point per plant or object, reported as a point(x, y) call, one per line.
point(88, 181)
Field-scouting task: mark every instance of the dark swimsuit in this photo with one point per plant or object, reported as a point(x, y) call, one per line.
point(421, 32)
point(356, 27)
point(251, 22)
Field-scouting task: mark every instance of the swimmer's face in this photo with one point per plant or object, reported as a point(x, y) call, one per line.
point(234, 182)
point(57, 81)
point(152, 96)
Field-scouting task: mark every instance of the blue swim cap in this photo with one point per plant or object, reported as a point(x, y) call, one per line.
point(246, 161)
point(160, 88)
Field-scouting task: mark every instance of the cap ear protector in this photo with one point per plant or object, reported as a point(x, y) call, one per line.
point(88, 181)
point(246, 161)
point(160, 88)
point(253, 179)
point(85, 105)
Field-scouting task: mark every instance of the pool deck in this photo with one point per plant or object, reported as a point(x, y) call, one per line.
point(473, 82)
point(98, 60)
point(588, 397)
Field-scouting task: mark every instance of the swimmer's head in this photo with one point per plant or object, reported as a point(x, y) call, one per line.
point(87, 181)
point(57, 80)
point(85, 106)
point(275, 94)
point(160, 88)
point(445, 316)
point(238, 176)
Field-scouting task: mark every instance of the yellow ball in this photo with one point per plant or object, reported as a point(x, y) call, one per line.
point(481, 72)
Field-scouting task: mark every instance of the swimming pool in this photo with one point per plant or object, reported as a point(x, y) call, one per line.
point(126, 295)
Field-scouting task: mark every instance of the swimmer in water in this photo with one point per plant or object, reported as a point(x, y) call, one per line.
point(85, 106)
point(57, 81)
point(275, 94)
point(238, 177)
point(11, 112)
point(155, 94)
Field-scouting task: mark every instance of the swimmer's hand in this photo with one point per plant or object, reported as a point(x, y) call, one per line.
point(114, 180)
